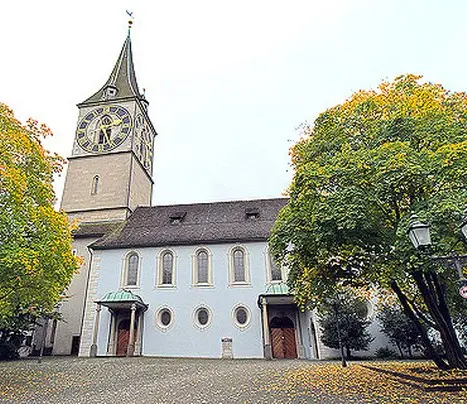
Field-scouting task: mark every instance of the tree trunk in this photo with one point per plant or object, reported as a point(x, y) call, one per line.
point(443, 308)
point(348, 353)
point(409, 348)
point(429, 350)
point(433, 295)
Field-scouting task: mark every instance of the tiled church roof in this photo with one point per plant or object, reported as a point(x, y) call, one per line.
point(200, 223)
point(97, 229)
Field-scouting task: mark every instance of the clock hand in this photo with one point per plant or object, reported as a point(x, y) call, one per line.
point(108, 133)
point(116, 122)
point(107, 137)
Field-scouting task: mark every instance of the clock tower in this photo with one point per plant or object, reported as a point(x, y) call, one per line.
point(110, 169)
point(109, 175)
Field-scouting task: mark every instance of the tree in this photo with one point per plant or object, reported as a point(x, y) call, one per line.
point(400, 330)
point(351, 313)
point(36, 260)
point(361, 170)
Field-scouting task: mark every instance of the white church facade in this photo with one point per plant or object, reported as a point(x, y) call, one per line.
point(193, 280)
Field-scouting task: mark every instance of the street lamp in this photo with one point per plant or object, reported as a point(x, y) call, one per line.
point(419, 234)
point(464, 225)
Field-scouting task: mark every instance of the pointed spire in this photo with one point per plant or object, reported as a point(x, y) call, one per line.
point(122, 81)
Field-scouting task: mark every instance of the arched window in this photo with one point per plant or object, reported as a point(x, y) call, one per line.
point(275, 274)
point(202, 267)
point(239, 265)
point(132, 267)
point(95, 185)
point(167, 268)
point(239, 273)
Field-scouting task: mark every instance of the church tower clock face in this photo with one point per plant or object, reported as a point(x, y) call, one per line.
point(143, 141)
point(103, 129)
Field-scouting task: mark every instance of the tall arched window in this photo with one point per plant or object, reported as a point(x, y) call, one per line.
point(275, 274)
point(132, 267)
point(238, 265)
point(202, 267)
point(95, 185)
point(167, 268)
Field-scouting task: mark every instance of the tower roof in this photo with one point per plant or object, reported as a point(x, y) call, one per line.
point(122, 81)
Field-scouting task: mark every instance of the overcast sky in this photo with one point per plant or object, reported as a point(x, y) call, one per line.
point(228, 81)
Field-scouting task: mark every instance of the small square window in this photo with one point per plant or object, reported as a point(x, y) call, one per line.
point(111, 92)
point(252, 213)
point(177, 217)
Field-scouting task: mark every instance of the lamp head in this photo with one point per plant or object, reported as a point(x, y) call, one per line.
point(464, 225)
point(419, 233)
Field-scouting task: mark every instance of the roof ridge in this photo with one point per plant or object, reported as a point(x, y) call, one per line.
point(213, 202)
point(198, 223)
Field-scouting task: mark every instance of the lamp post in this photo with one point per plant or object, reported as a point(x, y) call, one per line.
point(419, 235)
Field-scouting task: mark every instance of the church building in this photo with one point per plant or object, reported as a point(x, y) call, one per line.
point(191, 280)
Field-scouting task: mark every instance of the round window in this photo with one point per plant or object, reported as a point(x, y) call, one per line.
point(202, 316)
point(241, 316)
point(166, 317)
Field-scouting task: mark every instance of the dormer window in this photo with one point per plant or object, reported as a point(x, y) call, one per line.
point(252, 213)
point(177, 217)
point(110, 92)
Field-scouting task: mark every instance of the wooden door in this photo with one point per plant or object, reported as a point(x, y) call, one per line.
point(277, 343)
point(283, 343)
point(122, 341)
point(290, 347)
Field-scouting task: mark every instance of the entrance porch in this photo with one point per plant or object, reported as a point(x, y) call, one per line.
point(126, 323)
point(281, 319)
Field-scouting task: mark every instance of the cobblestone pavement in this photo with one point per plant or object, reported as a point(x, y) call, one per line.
point(149, 380)
point(160, 380)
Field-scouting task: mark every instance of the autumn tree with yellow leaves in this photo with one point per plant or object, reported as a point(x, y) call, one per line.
point(36, 260)
point(361, 170)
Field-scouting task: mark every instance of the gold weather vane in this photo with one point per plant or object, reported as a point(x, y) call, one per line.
point(130, 21)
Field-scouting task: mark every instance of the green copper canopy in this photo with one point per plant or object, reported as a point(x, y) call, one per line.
point(276, 294)
point(277, 289)
point(122, 299)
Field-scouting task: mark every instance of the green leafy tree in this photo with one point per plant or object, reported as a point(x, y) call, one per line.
point(400, 330)
point(361, 170)
point(36, 260)
point(351, 313)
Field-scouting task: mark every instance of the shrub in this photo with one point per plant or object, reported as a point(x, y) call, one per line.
point(385, 353)
point(8, 351)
